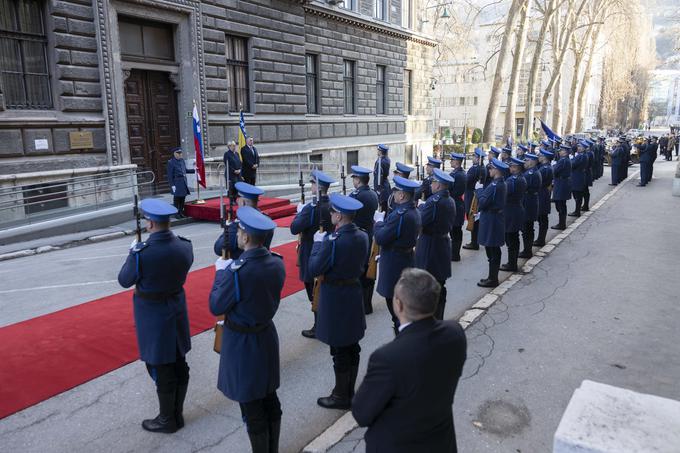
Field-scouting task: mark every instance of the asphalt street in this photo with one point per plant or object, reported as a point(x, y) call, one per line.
point(105, 414)
point(602, 306)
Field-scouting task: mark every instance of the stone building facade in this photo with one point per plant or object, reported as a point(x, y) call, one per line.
point(314, 80)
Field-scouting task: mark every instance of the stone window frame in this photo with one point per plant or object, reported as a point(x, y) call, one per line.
point(380, 86)
point(408, 92)
point(317, 85)
point(382, 14)
point(250, 108)
point(352, 80)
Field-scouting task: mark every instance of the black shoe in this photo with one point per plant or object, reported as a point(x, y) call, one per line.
point(641, 185)
point(471, 246)
point(526, 254)
point(179, 405)
point(612, 184)
point(586, 209)
point(259, 442)
point(559, 227)
point(574, 214)
point(165, 421)
point(310, 333)
point(367, 293)
point(539, 243)
point(455, 258)
point(486, 283)
point(507, 267)
point(340, 396)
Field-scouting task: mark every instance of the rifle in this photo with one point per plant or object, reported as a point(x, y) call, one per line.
point(225, 221)
point(372, 267)
point(301, 182)
point(138, 227)
point(316, 291)
point(343, 176)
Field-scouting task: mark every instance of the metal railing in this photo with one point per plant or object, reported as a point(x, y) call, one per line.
point(35, 201)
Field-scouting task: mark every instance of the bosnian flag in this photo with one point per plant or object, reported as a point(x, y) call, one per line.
point(198, 145)
point(549, 131)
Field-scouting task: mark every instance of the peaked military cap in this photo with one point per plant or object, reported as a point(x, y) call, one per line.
point(157, 210)
point(405, 185)
point(253, 221)
point(248, 190)
point(345, 204)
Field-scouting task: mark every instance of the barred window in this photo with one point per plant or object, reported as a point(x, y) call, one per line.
point(237, 73)
point(311, 64)
point(380, 90)
point(23, 55)
point(408, 93)
point(349, 86)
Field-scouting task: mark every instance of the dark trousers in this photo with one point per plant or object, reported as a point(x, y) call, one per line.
point(586, 199)
point(528, 234)
point(475, 234)
point(169, 375)
point(645, 173)
point(250, 178)
point(578, 200)
point(493, 255)
point(259, 414)
point(441, 305)
point(345, 357)
point(309, 287)
point(561, 207)
point(456, 241)
point(178, 202)
point(615, 174)
point(512, 242)
point(395, 320)
point(542, 227)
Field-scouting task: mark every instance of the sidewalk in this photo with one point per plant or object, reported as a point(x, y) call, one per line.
point(602, 306)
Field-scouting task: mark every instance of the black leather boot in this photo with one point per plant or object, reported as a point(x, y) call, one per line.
point(368, 299)
point(310, 333)
point(353, 373)
point(339, 397)
point(259, 442)
point(511, 265)
point(179, 404)
point(165, 421)
point(274, 433)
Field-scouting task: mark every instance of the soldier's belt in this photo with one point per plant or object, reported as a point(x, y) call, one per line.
point(156, 296)
point(347, 282)
point(399, 249)
point(436, 235)
point(231, 325)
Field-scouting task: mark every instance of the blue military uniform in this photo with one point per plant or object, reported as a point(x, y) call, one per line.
point(364, 220)
point(546, 172)
point(589, 176)
point(244, 190)
point(308, 221)
point(476, 173)
point(382, 185)
point(424, 191)
point(514, 214)
point(158, 268)
point(177, 180)
point(404, 171)
point(617, 157)
point(645, 163)
point(397, 236)
point(493, 154)
point(530, 204)
point(433, 250)
point(491, 204)
point(338, 259)
point(247, 291)
point(579, 181)
point(457, 190)
point(561, 189)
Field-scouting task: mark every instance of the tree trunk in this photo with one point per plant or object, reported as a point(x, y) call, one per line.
point(494, 101)
point(557, 106)
point(583, 92)
point(517, 61)
point(571, 113)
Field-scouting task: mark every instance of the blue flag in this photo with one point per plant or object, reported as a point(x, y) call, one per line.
point(549, 131)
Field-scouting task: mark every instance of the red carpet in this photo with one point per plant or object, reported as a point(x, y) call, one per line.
point(210, 210)
point(50, 354)
point(284, 222)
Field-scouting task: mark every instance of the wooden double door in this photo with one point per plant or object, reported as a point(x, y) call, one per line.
point(152, 122)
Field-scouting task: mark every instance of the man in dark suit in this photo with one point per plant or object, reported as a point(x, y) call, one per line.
point(232, 169)
point(406, 397)
point(251, 161)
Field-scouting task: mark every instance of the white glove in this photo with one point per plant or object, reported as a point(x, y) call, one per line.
point(173, 188)
point(421, 201)
point(318, 236)
point(379, 216)
point(479, 185)
point(222, 264)
point(377, 258)
point(300, 207)
point(477, 216)
point(133, 243)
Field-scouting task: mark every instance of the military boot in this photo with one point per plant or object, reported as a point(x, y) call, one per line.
point(259, 442)
point(310, 333)
point(274, 433)
point(179, 404)
point(165, 422)
point(340, 396)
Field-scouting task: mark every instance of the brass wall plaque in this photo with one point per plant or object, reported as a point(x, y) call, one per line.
point(81, 140)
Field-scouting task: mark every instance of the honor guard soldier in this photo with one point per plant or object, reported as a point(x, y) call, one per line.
point(425, 190)
point(521, 151)
point(364, 220)
point(616, 161)
point(457, 190)
point(396, 234)
point(307, 221)
point(493, 154)
point(645, 163)
point(249, 195)
point(381, 183)
point(158, 268)
point(491, 203)
point(433, 250)
point(601, 155)
point(589, 175)
point(562, 186)
point(339, 260)
point(476, 173)
point(177, 180)
point(514, 212)
point(506, 154)
point(578, 178)
point(405, 172)
point(247, 291)
point(530, 202)
point(546, 171)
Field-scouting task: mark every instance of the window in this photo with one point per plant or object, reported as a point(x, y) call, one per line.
point(349, 86)
point(381, 9)
point(462, 101)
point(475, 100)
point(23, 55)
point(237, 73)
point(311, 64)
point(316, 161)
point(350, 5)
point(380, 96)
point(408, 13)
point(145, 40)
point(408, 96)
point(352, 159)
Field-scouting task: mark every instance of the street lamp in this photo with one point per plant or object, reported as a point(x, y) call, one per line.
point(445, 13)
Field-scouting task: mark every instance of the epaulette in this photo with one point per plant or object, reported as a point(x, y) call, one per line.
point(332, 237)
point(278, 255)
point(183, 238)
point(401, 211)
point(236, 265)
point(139, 247)
point(436, 197)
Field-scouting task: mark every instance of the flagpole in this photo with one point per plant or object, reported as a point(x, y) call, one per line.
point(196, 151)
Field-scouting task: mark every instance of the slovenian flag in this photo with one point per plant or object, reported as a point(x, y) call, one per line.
point(241, 135)
point(198, 145)
point(549, 131)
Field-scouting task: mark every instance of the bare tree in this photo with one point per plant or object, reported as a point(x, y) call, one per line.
point(583, 90)
point(517, 62)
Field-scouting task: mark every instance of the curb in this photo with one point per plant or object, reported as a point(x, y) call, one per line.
point(345, 424)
